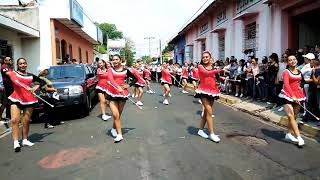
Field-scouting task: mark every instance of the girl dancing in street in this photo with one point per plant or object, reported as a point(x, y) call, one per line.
point(208, 92)
point(118, 93)
point(22, 99)
point(292, 96)
point(166, 81)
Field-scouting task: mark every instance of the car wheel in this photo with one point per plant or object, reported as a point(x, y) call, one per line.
point(87, 106)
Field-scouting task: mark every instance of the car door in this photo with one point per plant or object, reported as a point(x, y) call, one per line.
point(91, 80)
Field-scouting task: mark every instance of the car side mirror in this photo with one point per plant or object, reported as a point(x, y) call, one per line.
point(91, 75)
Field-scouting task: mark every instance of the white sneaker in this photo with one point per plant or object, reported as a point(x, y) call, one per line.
point(139, 103)
point(133, 96)
point(118, 138)
point(202, 113)
point(166, 102)
point(164, 95)
point(290, 137)
point(16, 146)
point(105, 117)
point(114, 132)
point(169, 95)
point(203, 134)
point(200, 102)
point(241, 95)
point(300, 141)
point(185, 92)
point(214, 138)
point(236, 95)
point(26, 142)
point(280, 109)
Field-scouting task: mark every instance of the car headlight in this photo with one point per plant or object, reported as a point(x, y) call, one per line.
point(75, 90)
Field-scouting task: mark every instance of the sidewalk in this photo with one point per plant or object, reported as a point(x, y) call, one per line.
point(266, 112)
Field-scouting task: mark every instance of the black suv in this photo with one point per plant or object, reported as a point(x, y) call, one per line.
point(76, 85)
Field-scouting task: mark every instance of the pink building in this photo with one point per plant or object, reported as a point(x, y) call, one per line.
point(228, 28)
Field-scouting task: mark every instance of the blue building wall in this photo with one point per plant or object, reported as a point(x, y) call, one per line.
point(179, 49)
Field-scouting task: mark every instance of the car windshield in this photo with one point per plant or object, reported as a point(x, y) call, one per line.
point(64, 72)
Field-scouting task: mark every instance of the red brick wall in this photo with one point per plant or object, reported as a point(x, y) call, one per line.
point(73, 39)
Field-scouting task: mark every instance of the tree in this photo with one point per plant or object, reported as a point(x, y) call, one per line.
point(128, 52)
point(146, 59)
point(110, 31)
point(168, 48)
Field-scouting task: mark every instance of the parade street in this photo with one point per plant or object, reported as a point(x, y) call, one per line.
point(160, 142)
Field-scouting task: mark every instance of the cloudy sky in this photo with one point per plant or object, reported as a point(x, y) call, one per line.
point(144, 18)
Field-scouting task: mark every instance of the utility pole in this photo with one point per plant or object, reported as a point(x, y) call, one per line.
point(160, 51)
point(149, 38)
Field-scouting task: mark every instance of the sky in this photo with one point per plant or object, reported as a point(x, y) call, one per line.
point(138, 19)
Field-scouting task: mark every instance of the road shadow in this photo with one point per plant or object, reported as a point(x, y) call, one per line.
point(192, 130)
point(277, 134)
point(36, 137)
point(124, 131)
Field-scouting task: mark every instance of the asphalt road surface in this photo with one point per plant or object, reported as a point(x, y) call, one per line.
point(160, 143)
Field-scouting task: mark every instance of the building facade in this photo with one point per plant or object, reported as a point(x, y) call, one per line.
point(48, 32)
point(230, 28)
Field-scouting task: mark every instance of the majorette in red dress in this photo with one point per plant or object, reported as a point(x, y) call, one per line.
point(291, 86)
point(207, 84)
point(118, 78)
point(102, 80)
point(195, 74)
point(147, 74)
point(20, 94)
point(139, 76)
point(184, 72)
point(166, 77)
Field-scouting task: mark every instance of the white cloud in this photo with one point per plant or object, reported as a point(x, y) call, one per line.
point(143, 18)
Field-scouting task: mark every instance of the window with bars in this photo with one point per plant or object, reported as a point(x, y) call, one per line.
point(251, 36)
point(221, 46)
point(222, 16)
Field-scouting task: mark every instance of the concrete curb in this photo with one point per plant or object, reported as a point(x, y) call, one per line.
point(3, 128)
point(266, 115)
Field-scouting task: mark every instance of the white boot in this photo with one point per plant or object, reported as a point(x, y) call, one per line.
point(26, 142)
point(300, 141)
point(118, 138)
point(214, 138)
point(203, 134)
point(166, 102)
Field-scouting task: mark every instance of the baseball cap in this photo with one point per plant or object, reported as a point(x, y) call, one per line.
point(309, 56)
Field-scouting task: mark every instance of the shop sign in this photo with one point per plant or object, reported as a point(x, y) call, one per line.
point(76, 12)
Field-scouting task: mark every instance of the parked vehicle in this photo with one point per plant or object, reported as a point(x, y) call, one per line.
point(76, 86)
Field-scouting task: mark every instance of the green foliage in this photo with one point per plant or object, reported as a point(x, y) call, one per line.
point(110, 31)
point(128, 52)
point(146, 59)
point(101, 49)
point(168, 48)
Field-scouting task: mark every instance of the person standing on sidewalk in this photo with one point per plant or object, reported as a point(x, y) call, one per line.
point(118, 93)
point(102, 86)
point(22, 99)
point(46, 92)
point(292, 96)
point(6, 67)
point(207, 91)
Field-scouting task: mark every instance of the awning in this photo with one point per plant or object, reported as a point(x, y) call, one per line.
point(25, 30)
point(77, 29)
point(218, 30)
point(245, 14)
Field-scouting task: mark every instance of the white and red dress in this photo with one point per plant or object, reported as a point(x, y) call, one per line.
point(291, 87)
point(208, 86)
point(195, 74)
point(117, 79)
point(166, 77)
point(102, 85)
point(139, 76)
point(147, 74)
point(21, 96)
point(184, 73)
